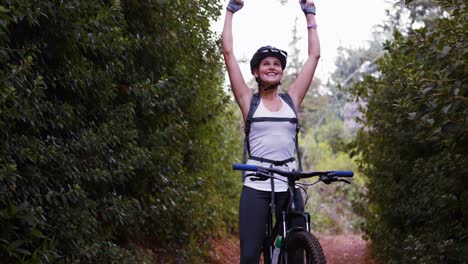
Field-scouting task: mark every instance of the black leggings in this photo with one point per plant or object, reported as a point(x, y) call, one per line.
point(253, 214)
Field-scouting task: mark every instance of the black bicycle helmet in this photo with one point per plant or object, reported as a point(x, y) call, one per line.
point(268, 51)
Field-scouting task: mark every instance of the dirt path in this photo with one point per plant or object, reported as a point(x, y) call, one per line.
point(342, 249)
point(338, 249)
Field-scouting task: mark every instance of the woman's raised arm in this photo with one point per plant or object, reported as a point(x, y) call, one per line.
point(298, 89)
point(241, 91)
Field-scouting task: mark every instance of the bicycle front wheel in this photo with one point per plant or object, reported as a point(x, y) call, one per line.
point(303, 247)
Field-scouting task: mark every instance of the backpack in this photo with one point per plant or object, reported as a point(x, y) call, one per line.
point(250, 119)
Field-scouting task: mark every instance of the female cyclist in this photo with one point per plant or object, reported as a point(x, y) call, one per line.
point(270, 143)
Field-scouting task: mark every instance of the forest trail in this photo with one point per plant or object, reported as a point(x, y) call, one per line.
point(339, 249)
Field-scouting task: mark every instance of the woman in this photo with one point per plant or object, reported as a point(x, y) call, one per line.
point(270, 143)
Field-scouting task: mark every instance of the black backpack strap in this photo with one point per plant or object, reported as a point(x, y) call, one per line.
point(290, 102)
point(274, 119)
point(254, 102)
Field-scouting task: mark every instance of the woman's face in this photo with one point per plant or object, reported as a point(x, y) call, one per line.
point(269, 71)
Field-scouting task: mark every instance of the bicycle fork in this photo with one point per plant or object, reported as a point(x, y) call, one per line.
point(290, 222)
point(267, 256)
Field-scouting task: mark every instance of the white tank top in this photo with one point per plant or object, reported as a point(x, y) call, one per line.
point(272, 140)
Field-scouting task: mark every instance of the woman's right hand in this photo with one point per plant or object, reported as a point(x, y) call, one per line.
point(235, 5)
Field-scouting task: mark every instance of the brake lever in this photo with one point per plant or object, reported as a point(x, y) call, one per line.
point(329, 179)
point(256, 177)
point(346, 181)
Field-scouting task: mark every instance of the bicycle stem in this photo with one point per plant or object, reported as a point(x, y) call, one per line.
point(292, 188)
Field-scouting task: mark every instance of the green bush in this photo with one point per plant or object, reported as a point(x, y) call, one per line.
point(413, 146)
point(111, 130)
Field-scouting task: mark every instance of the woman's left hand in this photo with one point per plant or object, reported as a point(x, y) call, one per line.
point(307, 6)
point(235, 5)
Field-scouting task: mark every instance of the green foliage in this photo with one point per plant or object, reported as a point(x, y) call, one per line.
point(332, 207)
point(413, 145)
point(112, 122)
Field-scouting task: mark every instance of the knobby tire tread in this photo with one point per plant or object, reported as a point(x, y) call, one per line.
point(309, 243)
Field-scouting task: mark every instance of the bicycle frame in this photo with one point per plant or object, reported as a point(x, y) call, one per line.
point(291, 219)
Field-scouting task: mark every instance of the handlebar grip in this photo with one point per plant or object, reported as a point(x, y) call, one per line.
point(343, 173)
point(245, 167)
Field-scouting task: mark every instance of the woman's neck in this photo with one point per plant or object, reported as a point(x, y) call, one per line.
point(268, 94)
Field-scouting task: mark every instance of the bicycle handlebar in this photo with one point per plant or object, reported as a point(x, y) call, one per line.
point(294, 173)
point(245, 167)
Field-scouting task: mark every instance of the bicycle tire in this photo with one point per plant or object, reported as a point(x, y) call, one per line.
point(306, 244)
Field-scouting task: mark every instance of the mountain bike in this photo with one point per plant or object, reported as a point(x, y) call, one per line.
point(291, 234)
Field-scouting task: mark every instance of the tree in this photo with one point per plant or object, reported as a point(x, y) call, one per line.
point(112, 130)
point(412, 144)
point(406, 16)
